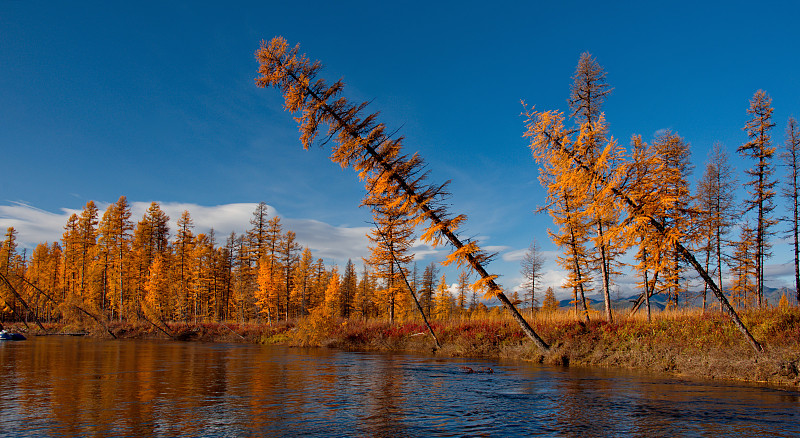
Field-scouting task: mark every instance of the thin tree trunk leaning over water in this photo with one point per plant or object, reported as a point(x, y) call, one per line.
point(364, 144)
point(14, 312)
point(156, 325)
point(74, 305)
point(19, 297)
point(542, 126)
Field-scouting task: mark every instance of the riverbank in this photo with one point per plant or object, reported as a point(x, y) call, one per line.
point(686, 344)
point(681, 343)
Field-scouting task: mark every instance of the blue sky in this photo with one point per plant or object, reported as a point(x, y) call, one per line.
point(156, 101)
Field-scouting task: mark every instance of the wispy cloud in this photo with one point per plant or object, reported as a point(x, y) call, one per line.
point(33, 225)
point(518, 254)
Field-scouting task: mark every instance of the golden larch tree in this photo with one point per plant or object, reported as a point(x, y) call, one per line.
point(183, 261)
point(588, 92)
point(332, 304)
point(364, 144)
point(444, 300)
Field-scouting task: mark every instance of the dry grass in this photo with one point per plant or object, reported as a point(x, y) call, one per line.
point(684, 342)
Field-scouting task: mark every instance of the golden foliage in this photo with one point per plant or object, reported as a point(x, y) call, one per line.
point(395, 181)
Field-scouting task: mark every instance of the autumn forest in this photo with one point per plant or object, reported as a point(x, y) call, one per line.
point(610, 203)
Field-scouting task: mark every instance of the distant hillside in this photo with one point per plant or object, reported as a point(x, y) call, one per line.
point(695, 299)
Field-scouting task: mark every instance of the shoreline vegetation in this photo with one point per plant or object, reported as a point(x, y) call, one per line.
point(679, 343)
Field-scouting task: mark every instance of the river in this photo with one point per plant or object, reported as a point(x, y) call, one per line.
point(65, 386)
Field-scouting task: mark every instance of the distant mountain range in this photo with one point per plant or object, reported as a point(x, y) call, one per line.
point(694, 299)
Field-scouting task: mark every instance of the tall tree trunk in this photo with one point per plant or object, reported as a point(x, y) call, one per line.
point(604, 271)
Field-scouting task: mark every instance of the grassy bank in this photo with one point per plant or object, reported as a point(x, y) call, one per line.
point(683, 343)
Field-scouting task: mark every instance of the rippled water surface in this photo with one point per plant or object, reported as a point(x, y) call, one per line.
point(54, 386)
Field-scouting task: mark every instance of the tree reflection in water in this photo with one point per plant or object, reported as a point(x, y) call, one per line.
point(83, 387)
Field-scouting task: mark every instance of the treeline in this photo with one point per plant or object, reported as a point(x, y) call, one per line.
point(118, 269)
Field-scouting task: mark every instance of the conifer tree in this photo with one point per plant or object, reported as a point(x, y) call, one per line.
point(761, 184)
point(391, 242)
point(672, 173)
point(261, 239)
point(348, 289)
point(36, 275)
point(288, 259)
point(716, 201)
point(184, 258)
point(302, 281)
point(71, 240)
point(642, 172)
point(589, 89)
point(245, 289)
point(317, 284)
point(266, 295)
point(364, 144)
point(101, 269)
point(157, 291)
point(257, 235)
point(564, 194)
point(87, 238)
point(588, 92)
point(743, 269)
point(224, 265)
point(47, 276)
point(532, 265)
point(791, 159)
point(444, 301)
point(8, 251)
point(363, 302)
point(8, 257)
point(150, 239)
point(427, 290)
point(272, 259)
point(115, 230)
point(392, 238)
point(549, 304)
point(463, 289)
point(202, 289)
point(332, 304)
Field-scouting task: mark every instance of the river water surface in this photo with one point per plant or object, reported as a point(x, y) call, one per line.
point(63, 386)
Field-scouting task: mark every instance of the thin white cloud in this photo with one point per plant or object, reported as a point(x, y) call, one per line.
point(337, 244)
point(33, 225)
point(514, 256)
point(496, 248)
point(422, 250)
point(224, 219)
point(518, 254)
